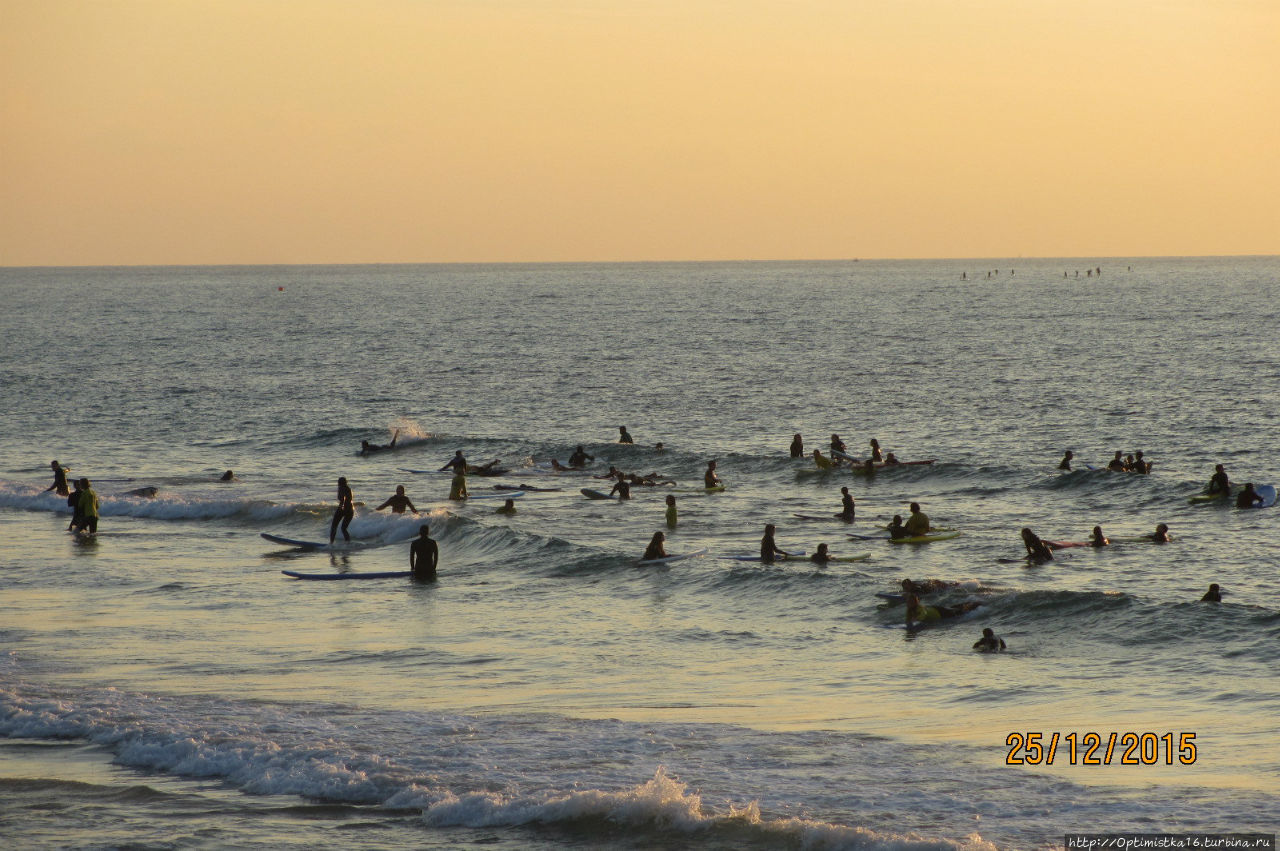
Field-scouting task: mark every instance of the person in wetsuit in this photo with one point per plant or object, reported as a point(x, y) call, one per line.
point(59, 485)
point(797, 447)
point(1213, 595)
point(876, 454)
point(424, 555)
point(1065, 463)
point(989, 642)
point(896, 529)
point(1248, 497)
point(458, 463)
point(623, 435)
point(769, 551)
point(367, 448)
point(1219, 483)
point(655, 548)
point(579, 458)
point(1037, 550)
point(344, 512)
point(622, 488)
point(398, 502)
point(846, 505)
point(1161, 535)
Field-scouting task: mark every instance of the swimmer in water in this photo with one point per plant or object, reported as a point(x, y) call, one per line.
point(1213, 595)
point(1065, 463)
point(837, 445)
point(508, 507)
point(821, 460)
point(398, 502)
point(822, 555)
point(989, 642)
point(797, 446)
point(891, 460)
point(1161, 535)
point(1097, 539)
point(228, 476)
point(655, 548)
point(1248, 497)
point(1116, 464)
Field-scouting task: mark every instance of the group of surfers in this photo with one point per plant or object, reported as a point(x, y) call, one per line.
point(839, 452)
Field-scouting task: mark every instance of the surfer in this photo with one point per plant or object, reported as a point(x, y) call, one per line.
point(1065, 463)
point(424, 555)
point(918, 522)
point(1116, 464)
point(926, 587)
point(367, 448)
point(579, 458)
point(1161, 535)
point(622, 488)
point(1213, 595)
point(486, 469)
point(1097, 539)
point(398, 502)
point(1248, 497)
point(925, 614)
point(1140, 465)
point(710, 478)
point(345, 511)
point(797, 446)
point(457, 462)
point(768, 547)
point(891, 459)
point(837, 445)
point(846, 505)
point(623, 435)
point(1037, 550)
point(1219, 483)
point(822, 555)
point(614, 473)
point(671, 511)
point(822, 461)
point(655, 548)
point(896, 530)
point(989, 642)
point(869, 468)
point(73, 501)
point(508, 507)
point(59, 485)
point(228, 476)
point(87, 504)
point(876, 454)
point(458, 486)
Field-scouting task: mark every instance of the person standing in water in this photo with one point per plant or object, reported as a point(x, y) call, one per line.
point(73, 502)
point(88, 506)
point(424, 555)
point(623, 435)
point(398, 502)
point(710, 478)
point(797, 446)
point(457, 463)
point(846, 505)
point(59, 485)
point(458, 487)
point(671, 511)
point(345, 511)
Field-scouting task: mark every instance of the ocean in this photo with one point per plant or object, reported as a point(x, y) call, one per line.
point(164, 685)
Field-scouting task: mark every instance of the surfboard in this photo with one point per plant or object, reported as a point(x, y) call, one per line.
point(386, 574)
point(925, 539)
point(650, 562)
point(891, 597)
point(821, 517)
point(293, 542)
point(715, 489)
point(1202, 498)
point(783, 557)
point(504, 495)
point(844, 456)
point(846, 559)
point(1268, 494)
point(1066, 545)
point(591, 493)
point(868, 537)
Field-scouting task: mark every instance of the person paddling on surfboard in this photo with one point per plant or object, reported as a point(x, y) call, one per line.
point(1248, 497)
point(367, 448)
point(655, 548)
point(710, 478)
point(1037, 550)
point(1219, 483)
point(398, 502)
point(916, 612)
point(424, 555)
point(768, 547)
point(846, 505)
point(345, 511)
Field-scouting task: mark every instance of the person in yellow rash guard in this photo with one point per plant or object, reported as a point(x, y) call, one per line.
point(918, 523)
point(918, 613)
point(88, 506)
point(458, 487)
point(671, 511)
point(822, 462)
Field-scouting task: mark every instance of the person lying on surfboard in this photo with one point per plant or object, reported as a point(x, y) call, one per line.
point(928, 586)
point(367, 448)
point(398, 502)
point(925, 614)
point(655, 548)
point(891, 459)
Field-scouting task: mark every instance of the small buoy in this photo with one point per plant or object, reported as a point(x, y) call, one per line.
point(279, 289)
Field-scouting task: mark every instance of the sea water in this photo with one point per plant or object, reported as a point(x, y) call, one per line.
point(163, 684)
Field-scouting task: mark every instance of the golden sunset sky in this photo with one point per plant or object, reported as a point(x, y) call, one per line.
point(311, 131)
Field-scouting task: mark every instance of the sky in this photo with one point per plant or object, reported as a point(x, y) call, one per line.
point(139, 132)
